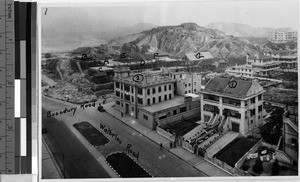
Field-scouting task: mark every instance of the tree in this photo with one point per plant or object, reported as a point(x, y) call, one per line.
point(258, 168)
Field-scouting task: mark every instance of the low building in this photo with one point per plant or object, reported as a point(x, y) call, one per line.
point(287, 58)
point(257, 65)
point(237, 103)
point(264, 66)
point(191, 56)
point(284, 36)
point(168, 111)
point(241, 70)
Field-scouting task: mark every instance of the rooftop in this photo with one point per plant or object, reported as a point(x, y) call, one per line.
point(146, 79)
point(176, 101)
point(260, 57)
point(239, 89)
point(192, 56)
point(242, 66)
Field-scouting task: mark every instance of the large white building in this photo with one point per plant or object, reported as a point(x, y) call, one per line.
point(284, 36)
point(236, 103)
point(257, 65)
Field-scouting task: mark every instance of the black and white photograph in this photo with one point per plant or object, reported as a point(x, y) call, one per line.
point(169, 89)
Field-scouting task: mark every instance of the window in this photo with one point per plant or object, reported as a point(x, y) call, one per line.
point(148, 91)
point(117, 85)
point(166, 97)
point(195, 83)
point(159, 89)
point(159, 99)
point(174, 112)
point(252, 112)
point(145, 117)
point(259, 97)
point(131, 89)
point(165, 87)
point(185, 92)
point(140, 91)
point(140, 100)
point(189, 91)
point(170, 87)
point(132, 99)
point(121, 86)
point(194, 90)
point(252, 100)
point(127, 97)
point(153, 100)
point(183, 109)
point(118, 102)
point(189, 84)
point(148, 101)
point(153, 90)
point(118, 93)
point(170, 96)
point(259, 108)
point(127, 88)
point(132, 109)
point(185, 85)
point(121, 95)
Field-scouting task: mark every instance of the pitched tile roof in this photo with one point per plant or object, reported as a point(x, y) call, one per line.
point(191, 56)
point(220, 85)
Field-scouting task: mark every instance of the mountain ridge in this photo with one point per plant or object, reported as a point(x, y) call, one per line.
point(189, 37)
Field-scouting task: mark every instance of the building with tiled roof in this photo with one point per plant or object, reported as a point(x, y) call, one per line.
point(234, 103)
point(191, 56)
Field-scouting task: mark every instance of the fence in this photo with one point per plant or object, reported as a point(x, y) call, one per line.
point(240, 162)
point(165, 133)
point(178, 117)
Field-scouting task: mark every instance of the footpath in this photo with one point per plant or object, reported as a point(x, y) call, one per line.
point(195, 161)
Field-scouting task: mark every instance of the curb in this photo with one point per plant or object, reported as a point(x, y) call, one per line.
point(53, 159)
point(130, 158)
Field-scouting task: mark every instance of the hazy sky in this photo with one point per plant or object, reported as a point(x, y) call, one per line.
point(257, 13)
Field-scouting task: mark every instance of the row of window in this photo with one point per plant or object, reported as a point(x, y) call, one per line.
point(159, 89)
point(189, 84)
point(159, 99)
point(189, 91)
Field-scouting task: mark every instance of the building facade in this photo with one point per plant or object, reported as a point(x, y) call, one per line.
point(130, 95)
point(236, 102)
point(287, 58)
point(186, 83)
point(284, 36)
point(257, 65)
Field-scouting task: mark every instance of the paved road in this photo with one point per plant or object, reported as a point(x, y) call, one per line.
point(158, 163)
point(69, 152)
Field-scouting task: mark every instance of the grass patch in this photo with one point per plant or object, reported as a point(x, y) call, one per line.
point(235, 150)
point(91, 134)
point(125, 166)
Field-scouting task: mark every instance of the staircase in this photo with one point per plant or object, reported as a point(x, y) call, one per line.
point(224, 123)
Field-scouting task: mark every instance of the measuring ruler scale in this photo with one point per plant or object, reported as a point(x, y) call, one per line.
point(7, 79)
